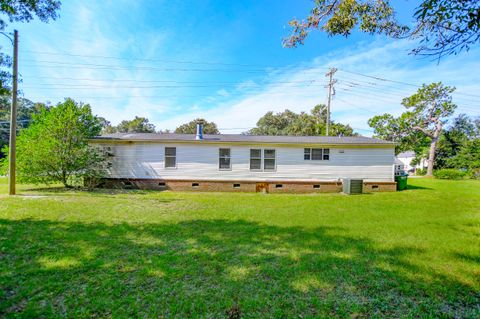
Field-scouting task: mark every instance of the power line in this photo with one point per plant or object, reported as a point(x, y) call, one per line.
point(90, 86)
point(162, 81)
point(399, 92)
point(398, 82)
point(151, 60)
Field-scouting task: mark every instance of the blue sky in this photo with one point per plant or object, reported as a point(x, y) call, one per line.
point(172, 61)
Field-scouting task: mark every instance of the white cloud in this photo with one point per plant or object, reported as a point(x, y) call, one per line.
point(98, 28)
point(357, 98)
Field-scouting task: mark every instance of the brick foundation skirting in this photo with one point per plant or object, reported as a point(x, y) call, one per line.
point(241, 186)
point(372, 187)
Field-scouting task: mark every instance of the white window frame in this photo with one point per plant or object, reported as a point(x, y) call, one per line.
point(170, 156)
point(262, 160)
point(229, 157)
point(322, 156)
point(257, 158)
point(274, 169)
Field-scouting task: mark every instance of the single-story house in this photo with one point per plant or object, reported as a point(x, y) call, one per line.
point(235, 162)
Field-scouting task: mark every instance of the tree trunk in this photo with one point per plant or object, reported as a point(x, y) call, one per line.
point(64, 179)
point(433, 148)
point(431, 157)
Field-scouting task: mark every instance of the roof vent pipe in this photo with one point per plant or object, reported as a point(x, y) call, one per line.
point(199, 135)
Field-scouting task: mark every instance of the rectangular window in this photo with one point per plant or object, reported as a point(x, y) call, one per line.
point(170, 157)
point(326, 154)
point(255, 159)
point(224, 162)
point(306, 154)
point(316, 154)
point(269, 160)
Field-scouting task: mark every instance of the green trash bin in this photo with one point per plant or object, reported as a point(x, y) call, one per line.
point(401, 182)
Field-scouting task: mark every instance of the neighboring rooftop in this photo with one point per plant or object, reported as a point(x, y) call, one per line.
point(406, 154)
point(240, 138)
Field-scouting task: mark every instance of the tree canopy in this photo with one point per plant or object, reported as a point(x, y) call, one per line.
point(22, 11)
point(54, 148)
point(191, 127)
point(422, 124)
point(442, 26)
point(137, 125)
point(291, 123)
point(26, 109)
point(456, 146)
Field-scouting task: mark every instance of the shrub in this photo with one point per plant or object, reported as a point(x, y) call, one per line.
point(449, 173)
point(421, 171)
point(474, 173)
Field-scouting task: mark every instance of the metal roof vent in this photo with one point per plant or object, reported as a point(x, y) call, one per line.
point(199, 135)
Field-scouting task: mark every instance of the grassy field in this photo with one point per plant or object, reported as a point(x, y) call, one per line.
point(145, 254)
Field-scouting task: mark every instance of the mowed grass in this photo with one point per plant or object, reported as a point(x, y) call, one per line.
point(142, 254)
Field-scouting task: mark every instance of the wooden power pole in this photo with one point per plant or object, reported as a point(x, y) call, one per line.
point(13, 119)
point(331, 92)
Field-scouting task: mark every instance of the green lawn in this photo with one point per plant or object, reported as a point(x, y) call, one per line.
point(160, 254)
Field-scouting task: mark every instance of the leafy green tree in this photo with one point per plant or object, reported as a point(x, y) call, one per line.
point(396, 129)
point(302, 124)
point(137, 125)
point(22, 11)
point(191, 127)
point(442, 26)
point(54, 148)
point(468, 157)
point(25, 111)
point(454, 139)
point(428, 111)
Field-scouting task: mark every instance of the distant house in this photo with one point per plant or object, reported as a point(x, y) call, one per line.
point(406, 159)
point(247, 163)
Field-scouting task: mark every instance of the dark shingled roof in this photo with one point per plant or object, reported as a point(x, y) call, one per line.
point(240, 138)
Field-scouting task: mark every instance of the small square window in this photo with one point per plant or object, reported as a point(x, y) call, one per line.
point(306, 154)
point(195, 185)
point(161, 184)
point(278, 186)
point(316, 186)
point(170, 162)
point(236, 185)
point(326, 154)
point(269, 164)
point(256, 153)
point(316, 154)
point(374, 186)
point(255, 164)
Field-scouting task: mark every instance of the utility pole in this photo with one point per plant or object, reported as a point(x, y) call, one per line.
point(331, 91)
point(13, 119)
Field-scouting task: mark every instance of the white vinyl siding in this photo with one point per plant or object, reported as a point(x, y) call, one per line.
point(201, 161)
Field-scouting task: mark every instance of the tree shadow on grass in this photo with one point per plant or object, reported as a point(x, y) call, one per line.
point(106, 191)
point(416, 187)
point(204, 268)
